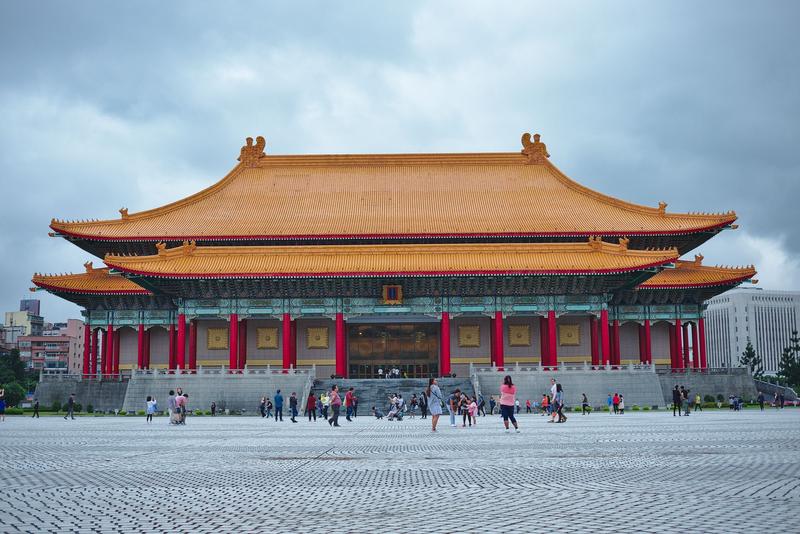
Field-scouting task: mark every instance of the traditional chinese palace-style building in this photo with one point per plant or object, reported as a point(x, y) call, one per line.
point(422, 262)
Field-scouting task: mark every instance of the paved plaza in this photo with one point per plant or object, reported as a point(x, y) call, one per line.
point(642, 472)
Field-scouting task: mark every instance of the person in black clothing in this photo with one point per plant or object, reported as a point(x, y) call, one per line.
point(584, 405)
point(35, 408)
point(423, 405)
point(70, 406)
point(293, 406)
point(676, 401)
point(761, 401)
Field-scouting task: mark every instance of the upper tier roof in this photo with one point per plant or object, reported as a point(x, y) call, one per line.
point(92, 282)
point(693, 274)
point(381, 196)
point(191, 261)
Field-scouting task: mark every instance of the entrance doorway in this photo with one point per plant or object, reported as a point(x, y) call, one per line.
point(413, 348)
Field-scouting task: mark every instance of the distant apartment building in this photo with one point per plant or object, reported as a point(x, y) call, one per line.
point(33, 306)
point(60, 347)
point(21, 323)
point(765, 317)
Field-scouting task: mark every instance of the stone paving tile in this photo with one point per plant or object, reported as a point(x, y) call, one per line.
point(642, 472)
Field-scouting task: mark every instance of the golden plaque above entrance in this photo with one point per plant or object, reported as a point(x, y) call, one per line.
point(317, 337)
point(569, 334)
point(217, 339)
point(469, 335)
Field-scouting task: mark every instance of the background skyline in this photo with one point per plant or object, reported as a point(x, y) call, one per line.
point(139, 105)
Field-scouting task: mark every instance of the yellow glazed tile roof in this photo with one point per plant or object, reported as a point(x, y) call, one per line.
point(688, 274)
point(93, 281)
point(400, 195)
point(191, 261)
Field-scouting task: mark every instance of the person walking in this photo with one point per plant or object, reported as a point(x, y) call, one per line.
point(336, 405)
point(528, 406)
point(508, 394)
point(293, 406)
point(278, 406)
point(676, 401)
point(610, 403)
point(423, 405)
point(326, 402)
point(452, 406)
point(492, 404)
point(348, 404)
point(262, 407)
point(559, 403)
point(481, 405)
point(615, 403)
point(3, 404)
point(584, 405)
point(270, 406)
point(516, 406)
point(434, 401)
point(35, 408)
point(70, 407)
point(761, 401)
point(171, 407)
point(686, 397)
point(698, 404)
point(355, 405)
point(311, 406)
point(545, 405)
point(622, 404)
point(150, 409)
point(213, 409)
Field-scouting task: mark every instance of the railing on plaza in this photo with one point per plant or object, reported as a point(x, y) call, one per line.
point(50, 375)
point(517, 368)
point(732, 371)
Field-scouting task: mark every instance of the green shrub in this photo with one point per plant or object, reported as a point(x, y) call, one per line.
point(708, 398)
point(14, 393)
point(646, 409)
point(576, 409)
point(89, 408)
point(606, 409)
point(123, 413)
point(139, 412)
point(14, 411)
point(635, 408)
point(56, 406)
point(78, 407)
point(198, 412)
point(720, 398)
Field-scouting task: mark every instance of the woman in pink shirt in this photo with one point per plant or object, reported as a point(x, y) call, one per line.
point(336, 404)
point(508, 394)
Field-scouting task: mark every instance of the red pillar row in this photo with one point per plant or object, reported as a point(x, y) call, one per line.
point(242, 343)
point(341, 357)
point(87, 348)
point(293, 340)
point(702, 341)
point(115, 356)
point(192, 363)
point(678, 331)
point(604, 341)
point(593, 340)
point(544, 345)
point(444, 364)
point(648, 346)
point(552, 339)
point(180, 362)
point(695, 348)
point(140, 347)
point(233, 341)
point(498, 339)
point(642, 349)
point(492, 346)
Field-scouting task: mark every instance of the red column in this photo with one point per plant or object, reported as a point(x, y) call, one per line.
point(642, 352)
point(686, 361)
point(498, 339)
point(492, 346)
point(648, 347)
point(233, 341)
point(147, 336)
point(695, 348)
point(95, 348)
point(552, 339)
point(286, 341)
point(615, 354)
point(140, 347)
point(180, 358)
point(604, 341)
point(171, 355)
point(593, 340)
point(672, 363)
point(87, 348)
point(341, 356)
point(702, 341)
point(444, 364)
point(544, 346)
point(678, 344)
point(192, 344)
point(243, 344)
point(107, 350)
point(293, 339)
point(115, 364)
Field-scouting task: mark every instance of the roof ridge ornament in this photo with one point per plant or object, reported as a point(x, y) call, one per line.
point(250, 153)
point(623, 244)
point(188, 247)
point(161, 247)
point(595, 242)
point(123, 212)
point(89, 267)
point(698, 260)
point(536, 150)
point(662, 208)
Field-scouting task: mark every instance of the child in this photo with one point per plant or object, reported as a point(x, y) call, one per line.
point(150, 409)
point(473, 411)
point(377, 413)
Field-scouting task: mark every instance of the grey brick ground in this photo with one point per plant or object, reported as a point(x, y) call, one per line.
point(642, 472)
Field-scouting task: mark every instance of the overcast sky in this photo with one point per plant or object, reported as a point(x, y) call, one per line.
point(105, 105)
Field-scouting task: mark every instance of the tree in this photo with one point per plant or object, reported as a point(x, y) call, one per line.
point(752, 360)
point(14, 393)
point(789, 365)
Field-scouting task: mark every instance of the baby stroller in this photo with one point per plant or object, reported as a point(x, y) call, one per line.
point(395, 413)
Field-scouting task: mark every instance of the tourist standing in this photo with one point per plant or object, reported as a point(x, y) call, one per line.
point(423, 405)
point(528, 406)
point(516, 406)
point(35, 408)
point(433, 396)
point(481, 405)
point(508, 393)
point(452, 406)
point(545, 405)
point(150, 409)
point(3, 404)
point(761, 401)
point(355, 405)
point(676, 401)
point(270, 406)
point(615, 403)
point(559, 404)
point(213, 409)
point(171, 407)
point(698, 404)
point(278, 406)
point(473, 411)
point(311, 406)
point(413, 403)
point(492, 404)
point(686, 402)
point(622, 404)
point(336, 405)
point(326, 402)
point(293, 406)
point(464, 407)
point(262, 407)
point(585, 405)
point(70, 407)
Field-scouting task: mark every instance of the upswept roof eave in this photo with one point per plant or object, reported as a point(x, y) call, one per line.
point(692, 275)
point(80, 283)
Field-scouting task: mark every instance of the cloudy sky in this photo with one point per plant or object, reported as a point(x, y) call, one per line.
point(106, 105)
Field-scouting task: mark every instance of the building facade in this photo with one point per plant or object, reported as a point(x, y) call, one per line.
point(22, 323)
point(764, 317)
point(423, 262)
point(60, 347)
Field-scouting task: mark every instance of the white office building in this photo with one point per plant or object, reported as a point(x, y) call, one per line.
point(766, 317)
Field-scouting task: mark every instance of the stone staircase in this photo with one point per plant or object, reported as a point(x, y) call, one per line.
point(375, 392)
